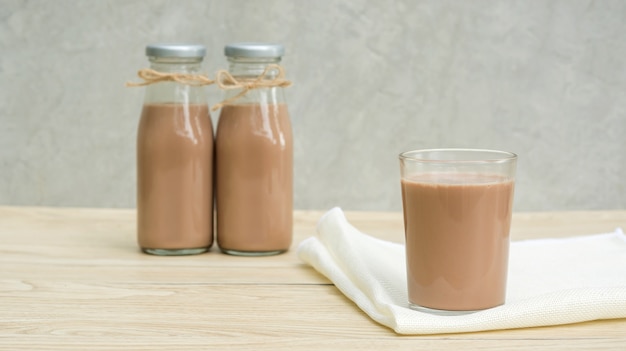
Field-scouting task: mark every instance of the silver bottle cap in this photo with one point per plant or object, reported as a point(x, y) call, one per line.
point(175, 50)
point(254, 50)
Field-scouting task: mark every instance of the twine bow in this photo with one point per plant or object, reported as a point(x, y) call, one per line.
point(151, 76)
point(226, 81)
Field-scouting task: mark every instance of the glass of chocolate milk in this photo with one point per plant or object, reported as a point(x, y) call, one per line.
point(457, 214)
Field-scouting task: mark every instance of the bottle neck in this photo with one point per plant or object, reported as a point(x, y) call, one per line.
point(176, 64)
point(250, 68)
point(173, 92)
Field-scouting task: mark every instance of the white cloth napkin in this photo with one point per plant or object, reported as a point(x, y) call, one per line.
point(551, 281)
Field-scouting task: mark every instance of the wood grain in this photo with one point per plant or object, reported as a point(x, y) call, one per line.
point(73, 279)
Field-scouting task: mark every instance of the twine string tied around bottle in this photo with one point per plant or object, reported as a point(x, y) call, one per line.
point(151, 76)
point(226, 81)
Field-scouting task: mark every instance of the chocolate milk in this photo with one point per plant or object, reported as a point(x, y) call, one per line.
point(174, 177)
point(254, 179)
point(457, 237)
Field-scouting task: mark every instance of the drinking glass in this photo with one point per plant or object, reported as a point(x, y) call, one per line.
point(457, 207)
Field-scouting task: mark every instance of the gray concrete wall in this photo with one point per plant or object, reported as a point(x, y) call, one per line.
point(544, 79)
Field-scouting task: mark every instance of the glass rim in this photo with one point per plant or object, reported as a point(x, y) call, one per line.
point(499, 156)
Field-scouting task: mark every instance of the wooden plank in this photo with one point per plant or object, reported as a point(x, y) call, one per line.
point(299, 317)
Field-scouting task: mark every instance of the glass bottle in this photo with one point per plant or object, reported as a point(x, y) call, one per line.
point(254, 159)
point(175, 158)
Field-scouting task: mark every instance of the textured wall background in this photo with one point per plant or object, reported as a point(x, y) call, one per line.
point(544, 79)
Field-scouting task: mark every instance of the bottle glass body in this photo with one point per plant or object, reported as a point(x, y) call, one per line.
point(254, 167)
point(175, 164)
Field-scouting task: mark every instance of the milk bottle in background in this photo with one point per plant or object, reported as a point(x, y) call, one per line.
point(175, 155)
point(254, 154)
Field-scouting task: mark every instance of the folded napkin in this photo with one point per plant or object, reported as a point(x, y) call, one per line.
point(551, 281)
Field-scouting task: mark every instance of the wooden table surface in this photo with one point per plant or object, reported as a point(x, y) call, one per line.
point(74, 279)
